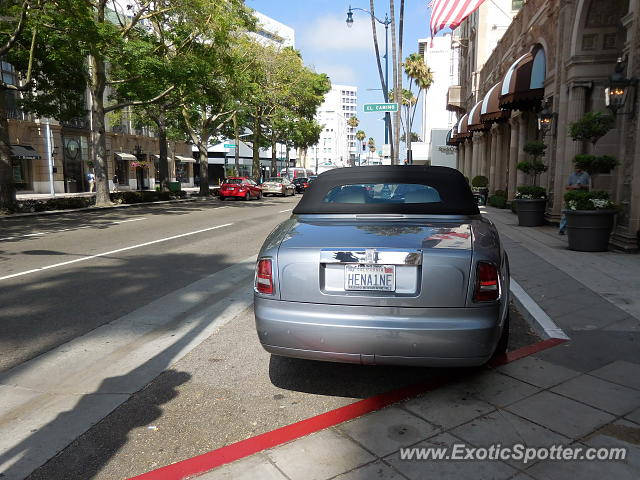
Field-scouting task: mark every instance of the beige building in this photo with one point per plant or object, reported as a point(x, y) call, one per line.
point(558, 54)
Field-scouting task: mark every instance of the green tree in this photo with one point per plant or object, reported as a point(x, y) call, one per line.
point(39, 39)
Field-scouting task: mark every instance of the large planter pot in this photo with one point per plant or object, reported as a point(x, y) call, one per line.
point(589, 230)
point(531, 212)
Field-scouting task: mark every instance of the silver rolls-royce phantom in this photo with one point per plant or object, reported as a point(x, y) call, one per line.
point(385, 265)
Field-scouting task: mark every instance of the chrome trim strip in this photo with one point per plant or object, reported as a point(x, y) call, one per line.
point(372, 256)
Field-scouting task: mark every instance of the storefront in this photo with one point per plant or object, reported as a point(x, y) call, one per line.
point(22, 158)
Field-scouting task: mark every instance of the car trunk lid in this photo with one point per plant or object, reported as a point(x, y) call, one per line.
point(367, 261)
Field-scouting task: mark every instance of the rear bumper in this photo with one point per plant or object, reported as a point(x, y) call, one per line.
point(379, 335)
point(234, 194)
point(274, 190)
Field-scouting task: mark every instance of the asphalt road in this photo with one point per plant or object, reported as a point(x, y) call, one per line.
point(121, 259)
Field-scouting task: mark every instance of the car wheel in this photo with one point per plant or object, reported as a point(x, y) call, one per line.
point(247, 197)
point(221, 198)
point(501, 347)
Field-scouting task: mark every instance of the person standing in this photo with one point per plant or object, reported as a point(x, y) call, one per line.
point(115, 183)
point(578, 180)
point(91, 177)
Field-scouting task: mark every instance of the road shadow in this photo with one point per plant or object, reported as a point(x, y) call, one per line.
point(41, 312)
point(88, 453)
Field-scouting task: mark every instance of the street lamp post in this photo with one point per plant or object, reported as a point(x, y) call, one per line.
point(385, 88)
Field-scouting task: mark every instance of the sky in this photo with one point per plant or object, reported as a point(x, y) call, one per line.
point(347, 54)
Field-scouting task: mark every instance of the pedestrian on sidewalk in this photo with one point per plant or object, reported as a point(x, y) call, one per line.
point(115, 183)
point(91, 177)
point(578, 180)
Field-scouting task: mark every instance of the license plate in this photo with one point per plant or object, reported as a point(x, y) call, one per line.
point(380, 278)
point(231, 189)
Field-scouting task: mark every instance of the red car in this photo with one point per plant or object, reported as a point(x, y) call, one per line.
point(240, 187)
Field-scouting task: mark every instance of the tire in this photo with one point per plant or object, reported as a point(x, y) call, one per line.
point(221, 198)
point(247, 197)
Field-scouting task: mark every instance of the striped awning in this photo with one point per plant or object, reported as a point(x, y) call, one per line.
point(475, 125)
point(463, 128)
point(490, 111)
point(523, 84)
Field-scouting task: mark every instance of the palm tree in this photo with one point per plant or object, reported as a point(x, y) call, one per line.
point(360, 136)
point(353, 122)
point(420, 74)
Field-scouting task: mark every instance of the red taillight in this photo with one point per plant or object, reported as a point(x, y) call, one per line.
point(487, 288)
point(264, 279)
point(305, 185)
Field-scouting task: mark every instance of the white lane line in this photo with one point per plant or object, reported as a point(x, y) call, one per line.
point(36, 234)
point(104, 254)
point(287, 210)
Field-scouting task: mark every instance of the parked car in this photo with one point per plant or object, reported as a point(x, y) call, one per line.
point(278, 186)
point(301, 184)
point(385, 265)
point(240, 187)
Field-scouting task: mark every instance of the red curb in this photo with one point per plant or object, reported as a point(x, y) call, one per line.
point(244, 448)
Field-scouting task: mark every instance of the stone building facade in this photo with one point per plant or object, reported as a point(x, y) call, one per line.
point(132, 156)
point(560, 54)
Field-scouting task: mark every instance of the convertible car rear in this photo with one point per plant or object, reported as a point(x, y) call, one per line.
point(384, 265)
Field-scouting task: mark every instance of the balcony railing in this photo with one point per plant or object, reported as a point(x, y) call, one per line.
point(77, 122)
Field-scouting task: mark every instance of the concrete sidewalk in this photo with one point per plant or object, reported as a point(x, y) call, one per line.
point(584, 393)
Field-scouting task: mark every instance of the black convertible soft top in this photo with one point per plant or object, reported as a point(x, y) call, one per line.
point(455, 193)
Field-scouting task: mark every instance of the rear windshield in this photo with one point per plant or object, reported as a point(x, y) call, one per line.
point(389, 189)
point(276, 179)
point(391, 193)
point(234, 181)
point(300, 180)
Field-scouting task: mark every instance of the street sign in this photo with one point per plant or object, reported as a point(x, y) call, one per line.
point(229, 145)
point(380, 107)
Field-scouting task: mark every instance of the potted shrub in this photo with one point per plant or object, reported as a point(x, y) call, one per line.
point(589, 220)
point(531, 199)
point(479, 187)
point(498, 199)
point(590, 215)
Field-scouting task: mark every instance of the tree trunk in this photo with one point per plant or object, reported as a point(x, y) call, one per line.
point(204, 166)
point(163, 161)
point(274, 157)
point(257, 173)
point(7, 187)
point(98, 134)
point(236, 130)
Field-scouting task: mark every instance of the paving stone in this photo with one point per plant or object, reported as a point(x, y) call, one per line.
point(621, 372)
point(634, 416)
point(250, 468)
point(498, 389)
point(319, 456)
point(591, 316)
point(506, 429)
point(561, 414)
point(538, 372)
point(374, 471)
point(448, 407)
point(444, 469)
point(607, 396)
point(628, 324)
point(582, 470)
point(620, 434)
point(387, 430)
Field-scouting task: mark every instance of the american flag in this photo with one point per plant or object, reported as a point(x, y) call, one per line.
point(450, 13)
